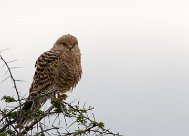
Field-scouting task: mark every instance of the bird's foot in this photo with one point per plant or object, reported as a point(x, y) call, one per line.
point(62, 96)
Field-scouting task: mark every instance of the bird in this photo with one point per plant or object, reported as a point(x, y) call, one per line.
point(58, 70)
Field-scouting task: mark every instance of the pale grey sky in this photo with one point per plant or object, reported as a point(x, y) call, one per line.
point(135, 57)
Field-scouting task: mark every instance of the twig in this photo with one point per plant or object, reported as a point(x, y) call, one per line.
point(27, 128)
point(15, 87)
point(42, 132)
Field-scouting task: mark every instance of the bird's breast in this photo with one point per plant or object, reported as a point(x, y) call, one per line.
point(69, 72)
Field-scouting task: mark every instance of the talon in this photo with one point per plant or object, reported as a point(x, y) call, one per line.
point(63, 96)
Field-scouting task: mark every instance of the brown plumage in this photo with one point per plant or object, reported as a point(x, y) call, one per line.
point(57, 69)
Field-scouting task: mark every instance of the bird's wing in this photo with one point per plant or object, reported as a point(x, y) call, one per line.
point(45, 71)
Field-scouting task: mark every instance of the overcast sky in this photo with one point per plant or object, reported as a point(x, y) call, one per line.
point(135, 57)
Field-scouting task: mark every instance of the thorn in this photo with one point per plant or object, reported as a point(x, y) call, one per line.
point(3, 65)
point(93, 117)
point(84, 104)
point(11, 61)
point(4, 50)
point(6, 72)
point(14, 67)
point(17, 80)
point(5, 79)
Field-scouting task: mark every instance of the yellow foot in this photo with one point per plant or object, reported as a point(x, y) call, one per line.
point(62, 96)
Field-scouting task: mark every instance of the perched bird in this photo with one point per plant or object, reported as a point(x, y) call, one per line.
point(57, 70)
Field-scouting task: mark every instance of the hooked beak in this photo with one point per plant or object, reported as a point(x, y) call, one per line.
point(70, 46)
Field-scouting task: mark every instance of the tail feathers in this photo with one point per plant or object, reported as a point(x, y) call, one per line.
point(26, 109)
point(27, 106)
point(30, 105)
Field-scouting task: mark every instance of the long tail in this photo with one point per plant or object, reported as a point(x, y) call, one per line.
point(33, 102)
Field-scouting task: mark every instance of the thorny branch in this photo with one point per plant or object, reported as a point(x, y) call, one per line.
point(12, 77)
point(77, 120)
point(14, 84)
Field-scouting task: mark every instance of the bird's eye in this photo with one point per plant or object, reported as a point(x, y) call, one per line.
point(75, 44)
point(64, 43)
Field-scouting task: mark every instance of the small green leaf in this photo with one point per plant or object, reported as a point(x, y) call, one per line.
point(36, 113)
point(13, 115)
point(56, 103)
point(10, 132)
point(101, 125)
point(3, 134)
point(81, 118)
point(78, 132)
point(8, 99)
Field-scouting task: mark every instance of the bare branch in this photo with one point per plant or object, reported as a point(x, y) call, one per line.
point(43, 131)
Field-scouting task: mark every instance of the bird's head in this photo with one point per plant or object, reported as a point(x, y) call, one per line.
point(66, 42)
